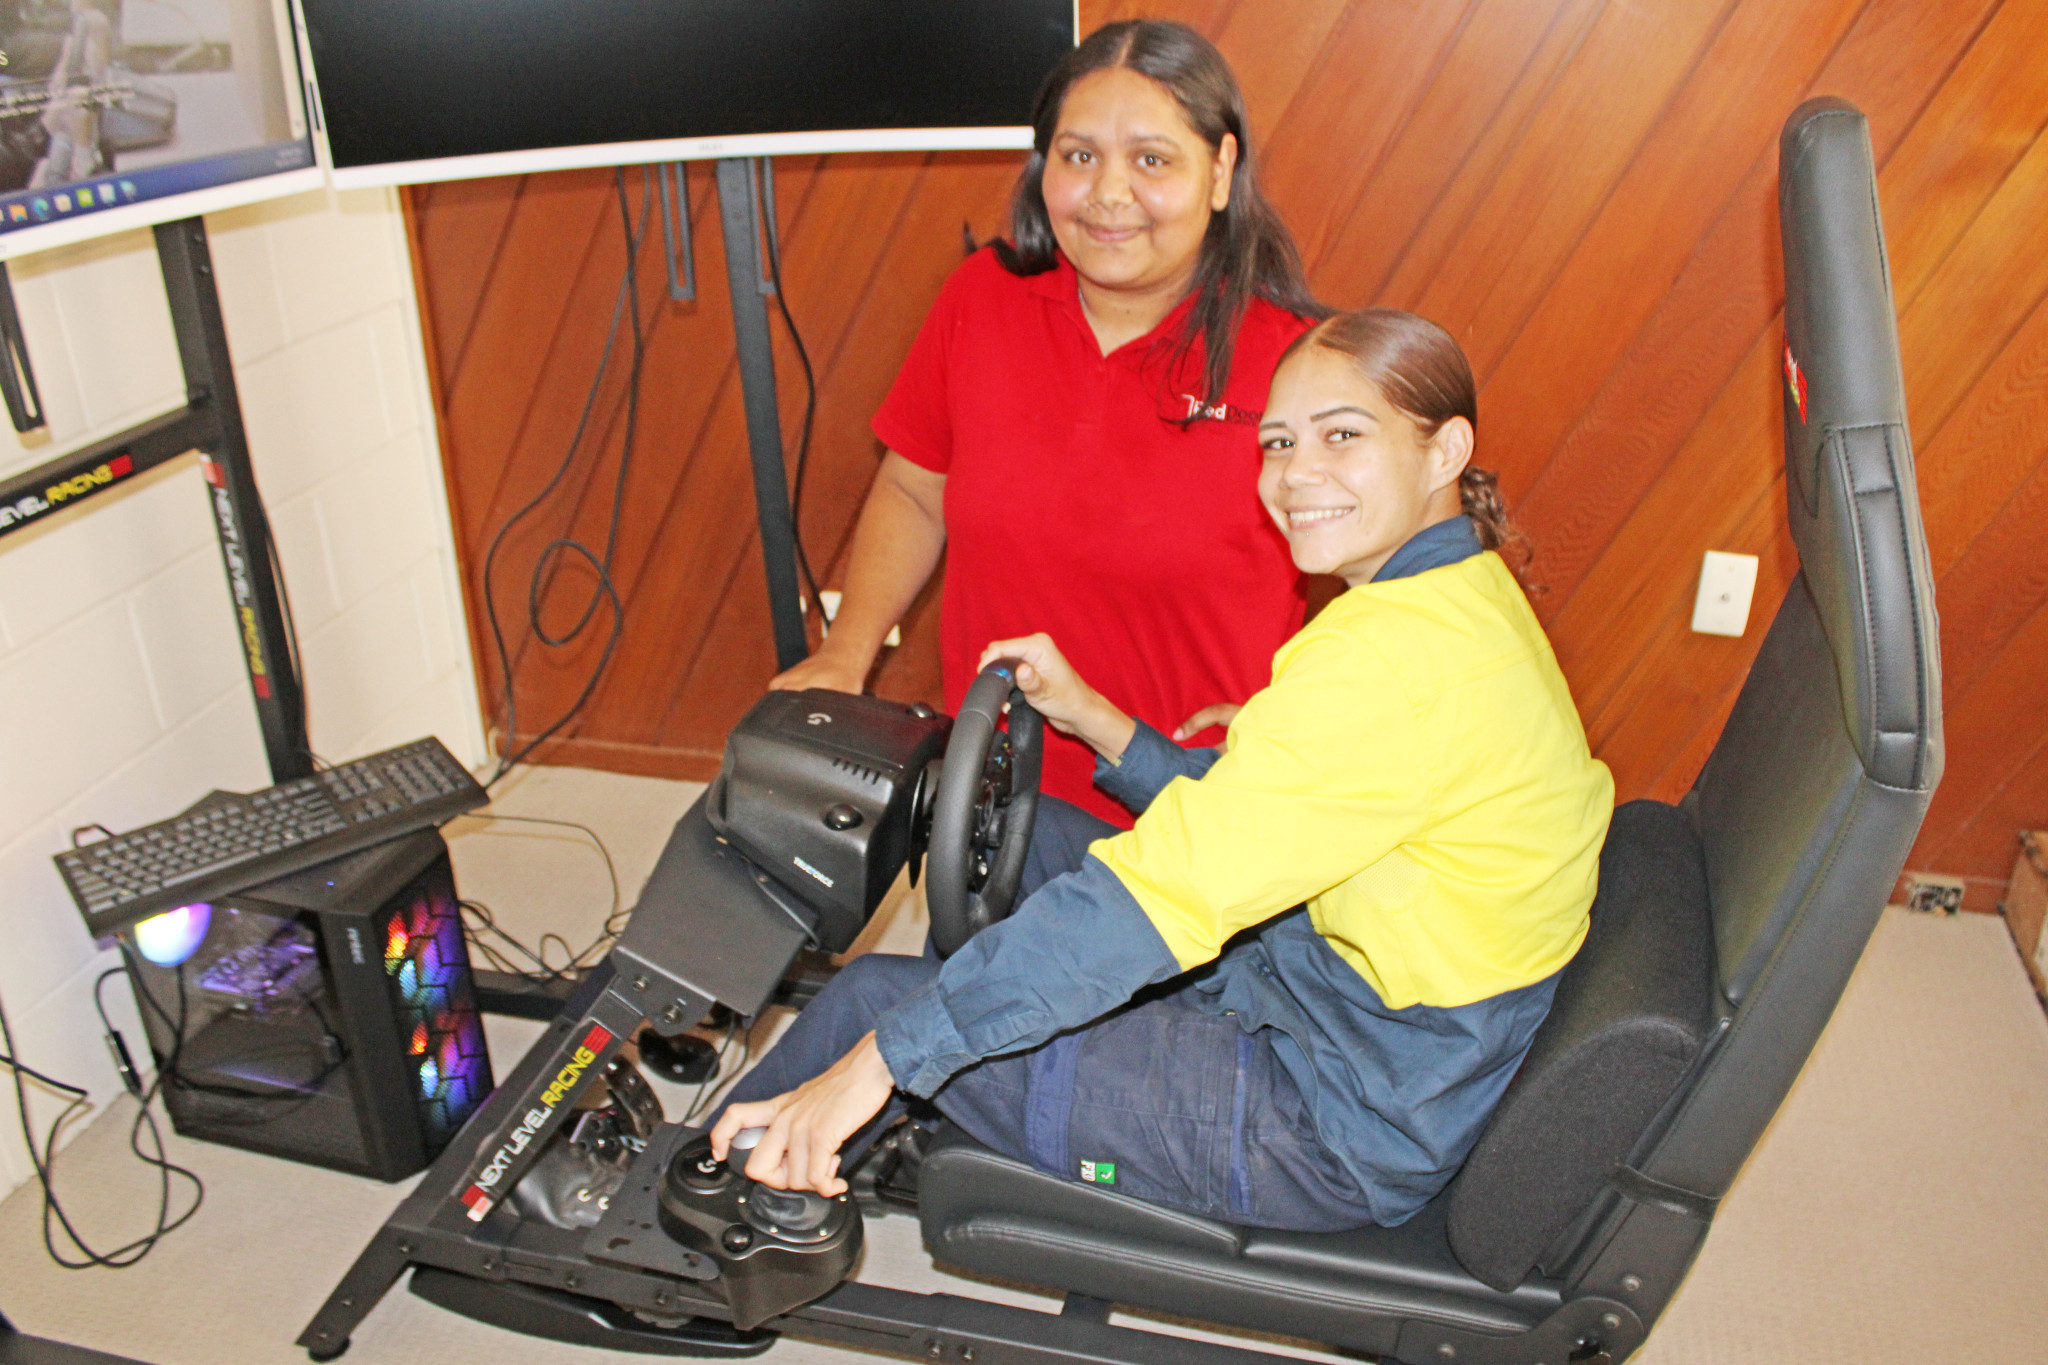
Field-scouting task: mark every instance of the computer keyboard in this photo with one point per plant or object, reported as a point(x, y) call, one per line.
point(231, 841)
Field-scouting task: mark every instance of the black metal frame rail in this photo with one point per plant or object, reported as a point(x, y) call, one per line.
point(210, 422)
point(740, 183)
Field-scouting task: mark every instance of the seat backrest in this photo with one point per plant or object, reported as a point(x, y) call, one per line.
point(1813, 796)
point(1631, 1014)
point(1799, 822)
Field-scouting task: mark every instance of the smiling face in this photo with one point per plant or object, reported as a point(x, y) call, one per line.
point(1347, 476)
point(1130, 186)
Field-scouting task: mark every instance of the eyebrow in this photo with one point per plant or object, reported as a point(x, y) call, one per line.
point(1344, 407)
point(1142, 139)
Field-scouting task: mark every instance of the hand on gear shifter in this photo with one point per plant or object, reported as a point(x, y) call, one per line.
point(773, 1248)
point(807, 1126)
point(742, 1147)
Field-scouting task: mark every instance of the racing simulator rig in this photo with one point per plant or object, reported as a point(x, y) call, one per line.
point(1724, 932)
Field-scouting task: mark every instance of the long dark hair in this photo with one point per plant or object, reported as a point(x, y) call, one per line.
point(1422, 370)
point(1247, 251)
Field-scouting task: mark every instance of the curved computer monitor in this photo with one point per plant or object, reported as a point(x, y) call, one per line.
point(421, 90)
point(117, 114)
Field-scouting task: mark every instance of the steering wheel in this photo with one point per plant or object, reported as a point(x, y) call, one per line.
point(982, 814)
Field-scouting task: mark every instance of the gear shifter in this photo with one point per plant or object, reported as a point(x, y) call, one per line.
point(742, 1149)
point(775, 1248)
point(793, 1214)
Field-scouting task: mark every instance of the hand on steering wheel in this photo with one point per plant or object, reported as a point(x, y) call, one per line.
point(1060, 694)
point(982, 814)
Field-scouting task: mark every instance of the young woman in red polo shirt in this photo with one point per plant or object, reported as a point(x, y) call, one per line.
point(1074, 426)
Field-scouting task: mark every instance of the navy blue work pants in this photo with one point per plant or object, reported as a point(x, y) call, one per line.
point(1159, 1099)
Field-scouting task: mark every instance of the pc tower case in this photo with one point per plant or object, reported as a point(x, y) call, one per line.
point(328, 1016)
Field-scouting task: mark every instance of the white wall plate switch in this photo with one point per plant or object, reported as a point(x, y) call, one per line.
point(1727, 582)
point(828, 598)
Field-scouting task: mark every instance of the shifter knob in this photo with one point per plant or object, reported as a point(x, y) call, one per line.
point(743, 1144)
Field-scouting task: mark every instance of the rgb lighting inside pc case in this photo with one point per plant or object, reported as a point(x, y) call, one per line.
point(327, 1016)
point(427, 966)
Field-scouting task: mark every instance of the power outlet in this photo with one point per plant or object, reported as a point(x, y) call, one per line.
point(1727, 582)
point(828, 598)
point(1933, 894)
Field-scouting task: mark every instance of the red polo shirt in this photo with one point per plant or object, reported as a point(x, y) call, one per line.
point(1079, 503)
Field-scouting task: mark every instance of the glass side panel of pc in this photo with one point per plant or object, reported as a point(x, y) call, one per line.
point(328, 1017)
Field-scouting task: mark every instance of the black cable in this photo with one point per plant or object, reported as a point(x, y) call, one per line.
point(99, 1005)
point(35, 1075)
point(541, 972)
point(482, 922)
point(722, 1085)
point(44, 1158)
point(479, 921)
point(626, 304)
point(717, 1077)
point(803, 445)
point(610, 869)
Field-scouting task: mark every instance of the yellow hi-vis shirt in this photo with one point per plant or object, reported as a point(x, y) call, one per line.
point(1417, 774)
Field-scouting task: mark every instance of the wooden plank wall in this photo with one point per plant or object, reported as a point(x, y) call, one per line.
point(1583, 190)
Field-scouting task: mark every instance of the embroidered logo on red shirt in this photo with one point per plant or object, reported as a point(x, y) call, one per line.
point(1193, 409)
point(1795, 382)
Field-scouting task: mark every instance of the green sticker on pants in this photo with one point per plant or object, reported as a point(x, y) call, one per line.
point(1099, 1172)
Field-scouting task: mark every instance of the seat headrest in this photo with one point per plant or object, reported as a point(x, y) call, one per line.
point(1852, 501)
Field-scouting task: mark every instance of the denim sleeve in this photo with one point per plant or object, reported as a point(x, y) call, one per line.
point(1071, 953)
point(1149, 762)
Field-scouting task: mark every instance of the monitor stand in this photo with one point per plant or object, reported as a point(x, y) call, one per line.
point(740, 186)
point(210, 422)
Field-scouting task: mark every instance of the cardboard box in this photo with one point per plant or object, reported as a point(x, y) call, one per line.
point(2026, 905)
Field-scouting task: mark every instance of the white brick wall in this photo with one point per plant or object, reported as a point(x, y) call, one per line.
point(122, 697)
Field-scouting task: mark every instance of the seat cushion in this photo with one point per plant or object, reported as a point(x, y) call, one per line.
point(1632, 1012)
point(989, 1213)
point(960, 1178)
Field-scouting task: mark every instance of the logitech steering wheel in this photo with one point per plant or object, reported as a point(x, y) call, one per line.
point(982, 814)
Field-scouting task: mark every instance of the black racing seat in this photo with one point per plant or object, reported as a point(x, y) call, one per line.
point(1632, 1013)
point(1725, 930)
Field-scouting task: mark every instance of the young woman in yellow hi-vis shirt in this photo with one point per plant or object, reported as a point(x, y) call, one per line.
point(1293, 993)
